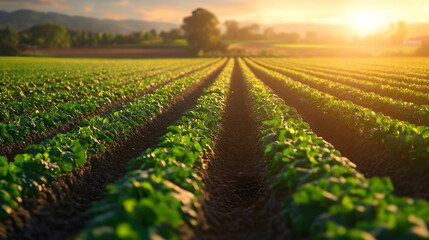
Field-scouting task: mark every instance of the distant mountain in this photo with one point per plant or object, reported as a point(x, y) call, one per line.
point(23, 19)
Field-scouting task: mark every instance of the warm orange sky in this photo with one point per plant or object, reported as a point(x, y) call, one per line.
point(362, 14)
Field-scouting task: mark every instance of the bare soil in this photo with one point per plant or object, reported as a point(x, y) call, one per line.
point(372, 159)
point(237, 200)
point(153, 52)
point(59, 211)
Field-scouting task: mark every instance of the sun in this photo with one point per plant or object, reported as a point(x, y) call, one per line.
point(365, 22)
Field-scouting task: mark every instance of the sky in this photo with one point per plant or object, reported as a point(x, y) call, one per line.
point(358, 13)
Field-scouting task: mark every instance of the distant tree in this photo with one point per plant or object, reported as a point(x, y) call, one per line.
point(9, 40)
point(423, 50)
point(399, 33)
point(269, 33)
point(289, 37)
point(108, 38)
point(250, 32)
point(311, 37)
point(154, 33)
point(152, 36)
point(173, 34)
point(176, 33)
point(93, 39)
point(232, 29)
point(75, 38)
point(48, 36)
point(202, 32)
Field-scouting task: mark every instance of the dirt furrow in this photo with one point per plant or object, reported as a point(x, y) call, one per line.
point(372, 159)
point(59, 211)
point(237, 201)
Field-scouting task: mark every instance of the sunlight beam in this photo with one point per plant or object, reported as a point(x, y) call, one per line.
point(366, 22)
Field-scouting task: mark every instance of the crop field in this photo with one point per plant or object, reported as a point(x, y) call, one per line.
point(214, 148)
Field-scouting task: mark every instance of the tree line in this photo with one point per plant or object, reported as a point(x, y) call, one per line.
point(57, 36)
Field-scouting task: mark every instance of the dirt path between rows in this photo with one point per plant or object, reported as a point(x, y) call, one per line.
point(237, 201)
point(372, 159)
point(59, 211)
point(131, 52)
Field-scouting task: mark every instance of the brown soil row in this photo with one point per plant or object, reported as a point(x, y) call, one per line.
point(344, 96)
point(155, 52)
point(237, 200)
point(11, 150)
point(372, 159)
point(59, 211)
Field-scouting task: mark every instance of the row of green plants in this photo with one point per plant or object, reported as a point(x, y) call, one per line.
point(160, 192)
point(42, 163)
point(20, 79)
point(31, 79)
point(43, 100)
point(401, 93)
point(403, 70)
point(368, 75)
point(84, 87)
point(409, 84)
point(324, 196)
point(407, 141)
point(415, 93)
point(39, 121)
point(417, 114)
point(411, 71)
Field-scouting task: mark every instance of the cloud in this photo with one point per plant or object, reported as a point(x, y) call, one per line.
point(163, 14)
point(6, 2)
point(88, 9)
point(50, 3)
point(123, 3)
point(114, 17)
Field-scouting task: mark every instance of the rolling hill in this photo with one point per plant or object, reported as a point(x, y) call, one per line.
point(22, 19)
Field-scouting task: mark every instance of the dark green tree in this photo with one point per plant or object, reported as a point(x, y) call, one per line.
point(250, 32)
point(9, 40)
point(289, 37)
point(269, 33)
point(93, 39)
point(399, 33)
point(202, 32)
point(48, 36)
point(173, 34)
point(108, 38)
point(423, 50)
point(232, 29)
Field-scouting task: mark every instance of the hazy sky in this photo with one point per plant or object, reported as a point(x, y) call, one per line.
point(371, 12)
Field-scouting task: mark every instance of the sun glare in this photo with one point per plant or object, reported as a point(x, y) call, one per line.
point(365, 22)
